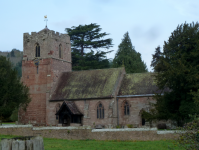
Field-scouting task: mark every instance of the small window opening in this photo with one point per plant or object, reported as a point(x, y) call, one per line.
point(100, 111)
point(126, 108)
point(37, 50)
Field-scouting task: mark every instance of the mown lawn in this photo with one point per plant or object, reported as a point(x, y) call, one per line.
point(8, 123)
point(59, 144)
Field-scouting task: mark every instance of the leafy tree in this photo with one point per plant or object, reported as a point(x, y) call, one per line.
point(88, 37)
point(12, 92)
point(128, 56)
point(178, 70)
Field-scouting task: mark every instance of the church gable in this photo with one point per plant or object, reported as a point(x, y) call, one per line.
point(70, 107)
point(100, 83)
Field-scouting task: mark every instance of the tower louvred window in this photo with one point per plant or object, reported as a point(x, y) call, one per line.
point(37, 50)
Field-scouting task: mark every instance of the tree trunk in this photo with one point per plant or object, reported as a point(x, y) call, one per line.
point(82, 50)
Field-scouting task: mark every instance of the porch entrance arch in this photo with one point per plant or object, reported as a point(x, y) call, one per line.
point(69, 113)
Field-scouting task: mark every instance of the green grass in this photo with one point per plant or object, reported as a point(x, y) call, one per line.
point(60, 144)
point(4, 123)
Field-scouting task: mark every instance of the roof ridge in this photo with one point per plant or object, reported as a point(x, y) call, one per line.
point(141, 73)
point(95, 69)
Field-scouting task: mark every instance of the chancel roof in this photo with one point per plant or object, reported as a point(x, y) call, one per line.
point(100, 83)
point(138, 84)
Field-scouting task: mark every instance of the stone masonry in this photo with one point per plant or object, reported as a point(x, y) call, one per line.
point(41, 80)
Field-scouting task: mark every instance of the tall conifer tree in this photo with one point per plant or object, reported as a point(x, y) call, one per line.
point(178, 69)
point(126, 55)
point(90, 38)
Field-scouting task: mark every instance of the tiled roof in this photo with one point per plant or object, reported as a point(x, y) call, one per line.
point(138, 84)
point(100, 83)
point(71, 106)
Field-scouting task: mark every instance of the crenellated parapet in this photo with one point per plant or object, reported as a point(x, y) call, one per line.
point(47, 43)
point(44, 34)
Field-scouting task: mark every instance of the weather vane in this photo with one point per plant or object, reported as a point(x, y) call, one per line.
point(45, 19)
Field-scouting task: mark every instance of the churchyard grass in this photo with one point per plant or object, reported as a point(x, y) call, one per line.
point(61, 144)
point(8, 123)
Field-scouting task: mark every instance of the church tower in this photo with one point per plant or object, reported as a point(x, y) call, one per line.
point(46, 54)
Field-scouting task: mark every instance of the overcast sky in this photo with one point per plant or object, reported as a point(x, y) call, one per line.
point(149, 22)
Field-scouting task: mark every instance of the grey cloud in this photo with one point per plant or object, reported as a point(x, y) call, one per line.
point(150, 34)
point(153, 33)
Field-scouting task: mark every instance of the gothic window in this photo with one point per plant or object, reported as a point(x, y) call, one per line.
point(37, 50)
point(60, 51)
point(100, 111)
point(126, 108)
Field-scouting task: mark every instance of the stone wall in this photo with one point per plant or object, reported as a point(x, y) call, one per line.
point(41, 86)
point(42, 80)
point(83, 134)
point(136, 106)
point(49, 42)
point(89, 109)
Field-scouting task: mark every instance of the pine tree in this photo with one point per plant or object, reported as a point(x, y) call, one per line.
point(126, 55)
point(88, 37)
point(90, 61)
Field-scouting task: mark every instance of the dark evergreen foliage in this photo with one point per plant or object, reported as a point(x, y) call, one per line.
point(126, 55)
point(18, 68)
point(12, 91)
point(156, 59)
point(178, 69)
point(88, 37)
point(89, 60)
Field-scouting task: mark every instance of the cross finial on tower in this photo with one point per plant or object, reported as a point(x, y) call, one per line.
point(45, 19)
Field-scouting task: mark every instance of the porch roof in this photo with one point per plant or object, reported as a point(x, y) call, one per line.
point(71, 106)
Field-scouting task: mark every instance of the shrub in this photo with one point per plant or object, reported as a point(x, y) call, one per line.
point(189, 135)
point(14, 116)
point(118, 126)
point(161, 126)
point(129, 125)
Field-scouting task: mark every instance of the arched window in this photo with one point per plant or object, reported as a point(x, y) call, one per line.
point(60, 51)
point(100, 111)
point(126, 108)
point(37, 50)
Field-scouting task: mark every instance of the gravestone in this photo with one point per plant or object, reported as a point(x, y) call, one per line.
point(22, 143)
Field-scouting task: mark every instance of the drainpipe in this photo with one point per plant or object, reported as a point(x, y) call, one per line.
point(117, 113)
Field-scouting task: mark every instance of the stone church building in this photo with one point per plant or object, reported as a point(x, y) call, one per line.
point(106, 97)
